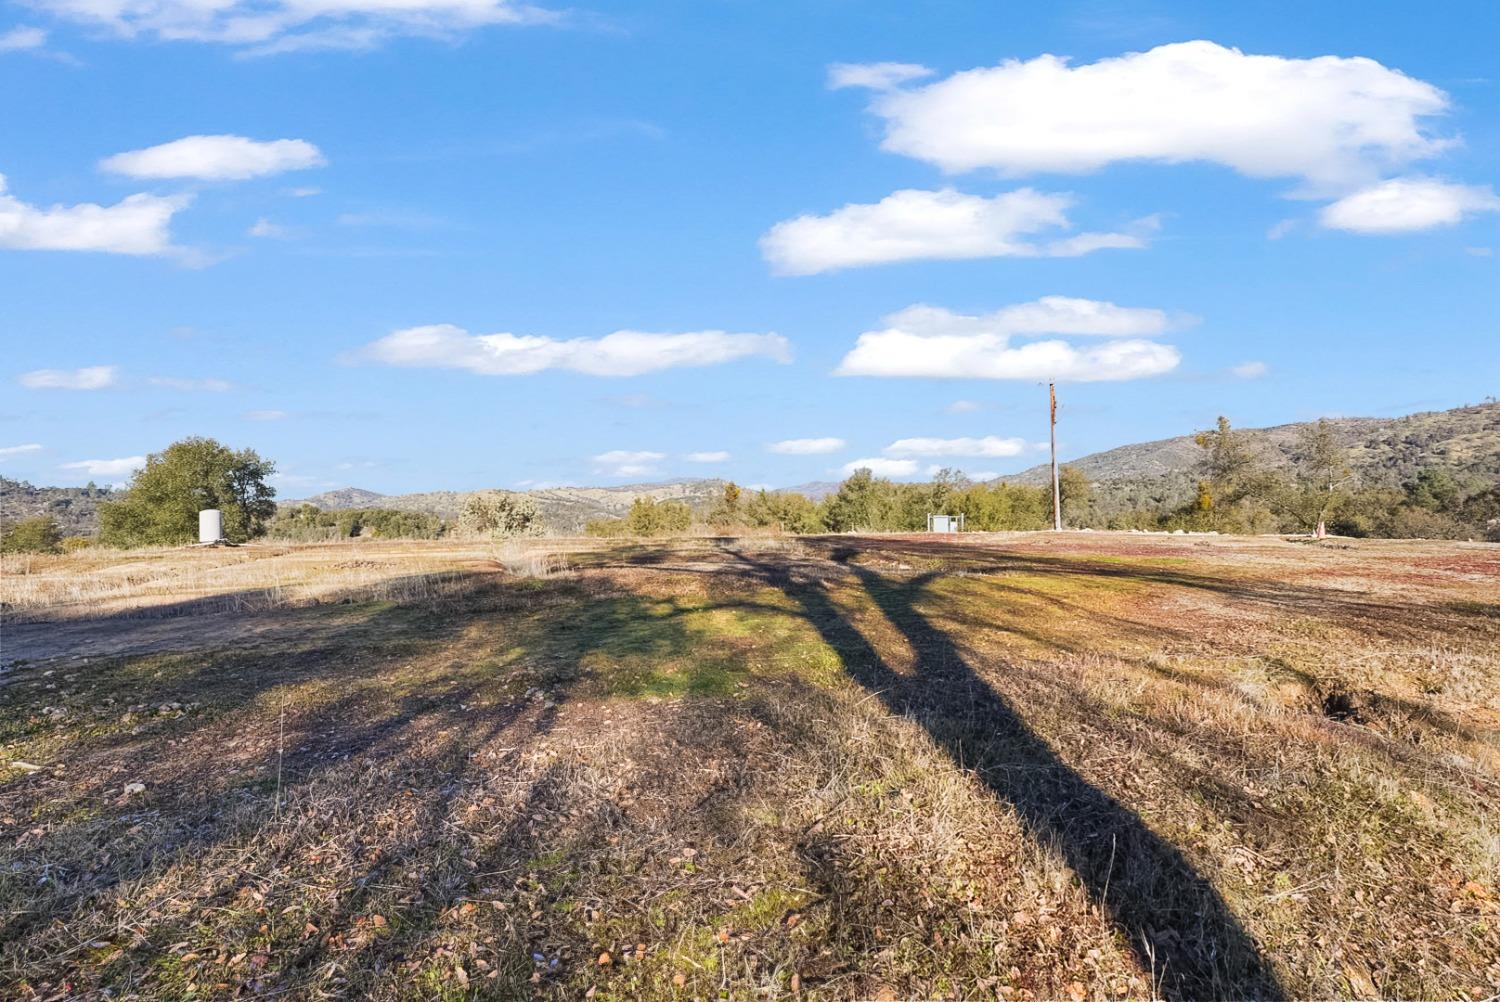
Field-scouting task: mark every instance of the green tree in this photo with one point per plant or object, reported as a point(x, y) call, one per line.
point(1435, 490)
point(726, 511)
point(853, 507)
point(1229, 463)
point(161, 505)
point(1321, 479)
point(500, 514)
point(32, 535)
point(1077, 495)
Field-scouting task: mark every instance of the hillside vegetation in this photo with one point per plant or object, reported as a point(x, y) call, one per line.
point(1029, 767)
point(564, 509)
point(1382, 452)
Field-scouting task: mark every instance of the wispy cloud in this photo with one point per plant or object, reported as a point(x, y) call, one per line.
point(205, 385)
point(623, 353)
point(627, 463)
point(990, 446)
point(806, 446)
point(108, 467)
point(92, 377)
point(883, 467)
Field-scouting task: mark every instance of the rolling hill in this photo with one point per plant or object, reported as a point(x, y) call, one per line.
point(564, 509)
point(1383, 452)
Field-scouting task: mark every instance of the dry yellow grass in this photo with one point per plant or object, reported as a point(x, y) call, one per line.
point(1028, 766)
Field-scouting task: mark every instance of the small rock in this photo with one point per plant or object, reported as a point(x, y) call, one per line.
point(131, 789)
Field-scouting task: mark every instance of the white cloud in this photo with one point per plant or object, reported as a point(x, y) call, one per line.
point(623, 353)
point(1280, 229)
point(216, 158)
point(269, 415)
point(625, 463)
point(963, 407)
point(19, 450)
point(937, 343)
point(208, 385)
point(22, 38)
point(1047, 315)
point(271, 26)
point(1331, 121)
point(1403, 204)
point(884, 467)
point(92, 377)
point(875, 76)
point(807, 446)
point(268, 230)
point(1250, 370)
point(708, 457)
point(911, 224)
point(137, 224)
point(108, 467)
point(990, 446)
point(305, 192)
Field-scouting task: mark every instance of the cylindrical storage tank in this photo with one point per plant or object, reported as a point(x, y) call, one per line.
point(210, 525)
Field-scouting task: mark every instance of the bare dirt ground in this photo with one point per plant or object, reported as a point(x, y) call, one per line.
point(1024, 766)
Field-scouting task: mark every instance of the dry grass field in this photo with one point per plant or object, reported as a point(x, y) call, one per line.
point(1090, 766)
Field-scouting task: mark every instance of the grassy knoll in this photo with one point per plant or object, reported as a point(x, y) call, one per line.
point(1092, 766)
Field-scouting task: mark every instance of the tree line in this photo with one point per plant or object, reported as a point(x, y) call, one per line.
point(1240, 489)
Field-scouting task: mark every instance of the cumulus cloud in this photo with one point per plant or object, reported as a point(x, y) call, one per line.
point(990, 446)
point(1404, 204)
point(22, 39)
point(19, 450)
point(623, 353)
point(937, 343)
point(884, 467)
point(1330, 121)
point(1249, 370)
point(91, 377)
point(911, 224)
point(271, 26)
point(707, 457)
point(874, 76)
point(625, 463)
point(216, 158)
point(138, 224)
point(807, 446)
point(108, 467)
point(207, 385)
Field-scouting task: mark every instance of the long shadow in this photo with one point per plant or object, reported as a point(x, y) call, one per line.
point(1176, 923)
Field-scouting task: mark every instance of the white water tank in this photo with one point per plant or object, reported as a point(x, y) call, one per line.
point(210, 526)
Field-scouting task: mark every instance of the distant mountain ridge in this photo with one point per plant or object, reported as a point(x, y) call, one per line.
point(563, 509)
point(1383, 452)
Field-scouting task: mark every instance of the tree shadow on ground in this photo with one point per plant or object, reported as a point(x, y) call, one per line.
point(1174, 920)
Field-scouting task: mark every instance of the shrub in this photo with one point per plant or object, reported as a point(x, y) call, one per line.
point(499, 514)
point(32, 535)
point(649, 517)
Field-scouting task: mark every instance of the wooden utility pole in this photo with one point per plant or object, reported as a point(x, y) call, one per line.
point(1056, 488)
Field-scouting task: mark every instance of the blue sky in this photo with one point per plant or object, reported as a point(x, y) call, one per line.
point(285, 224)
